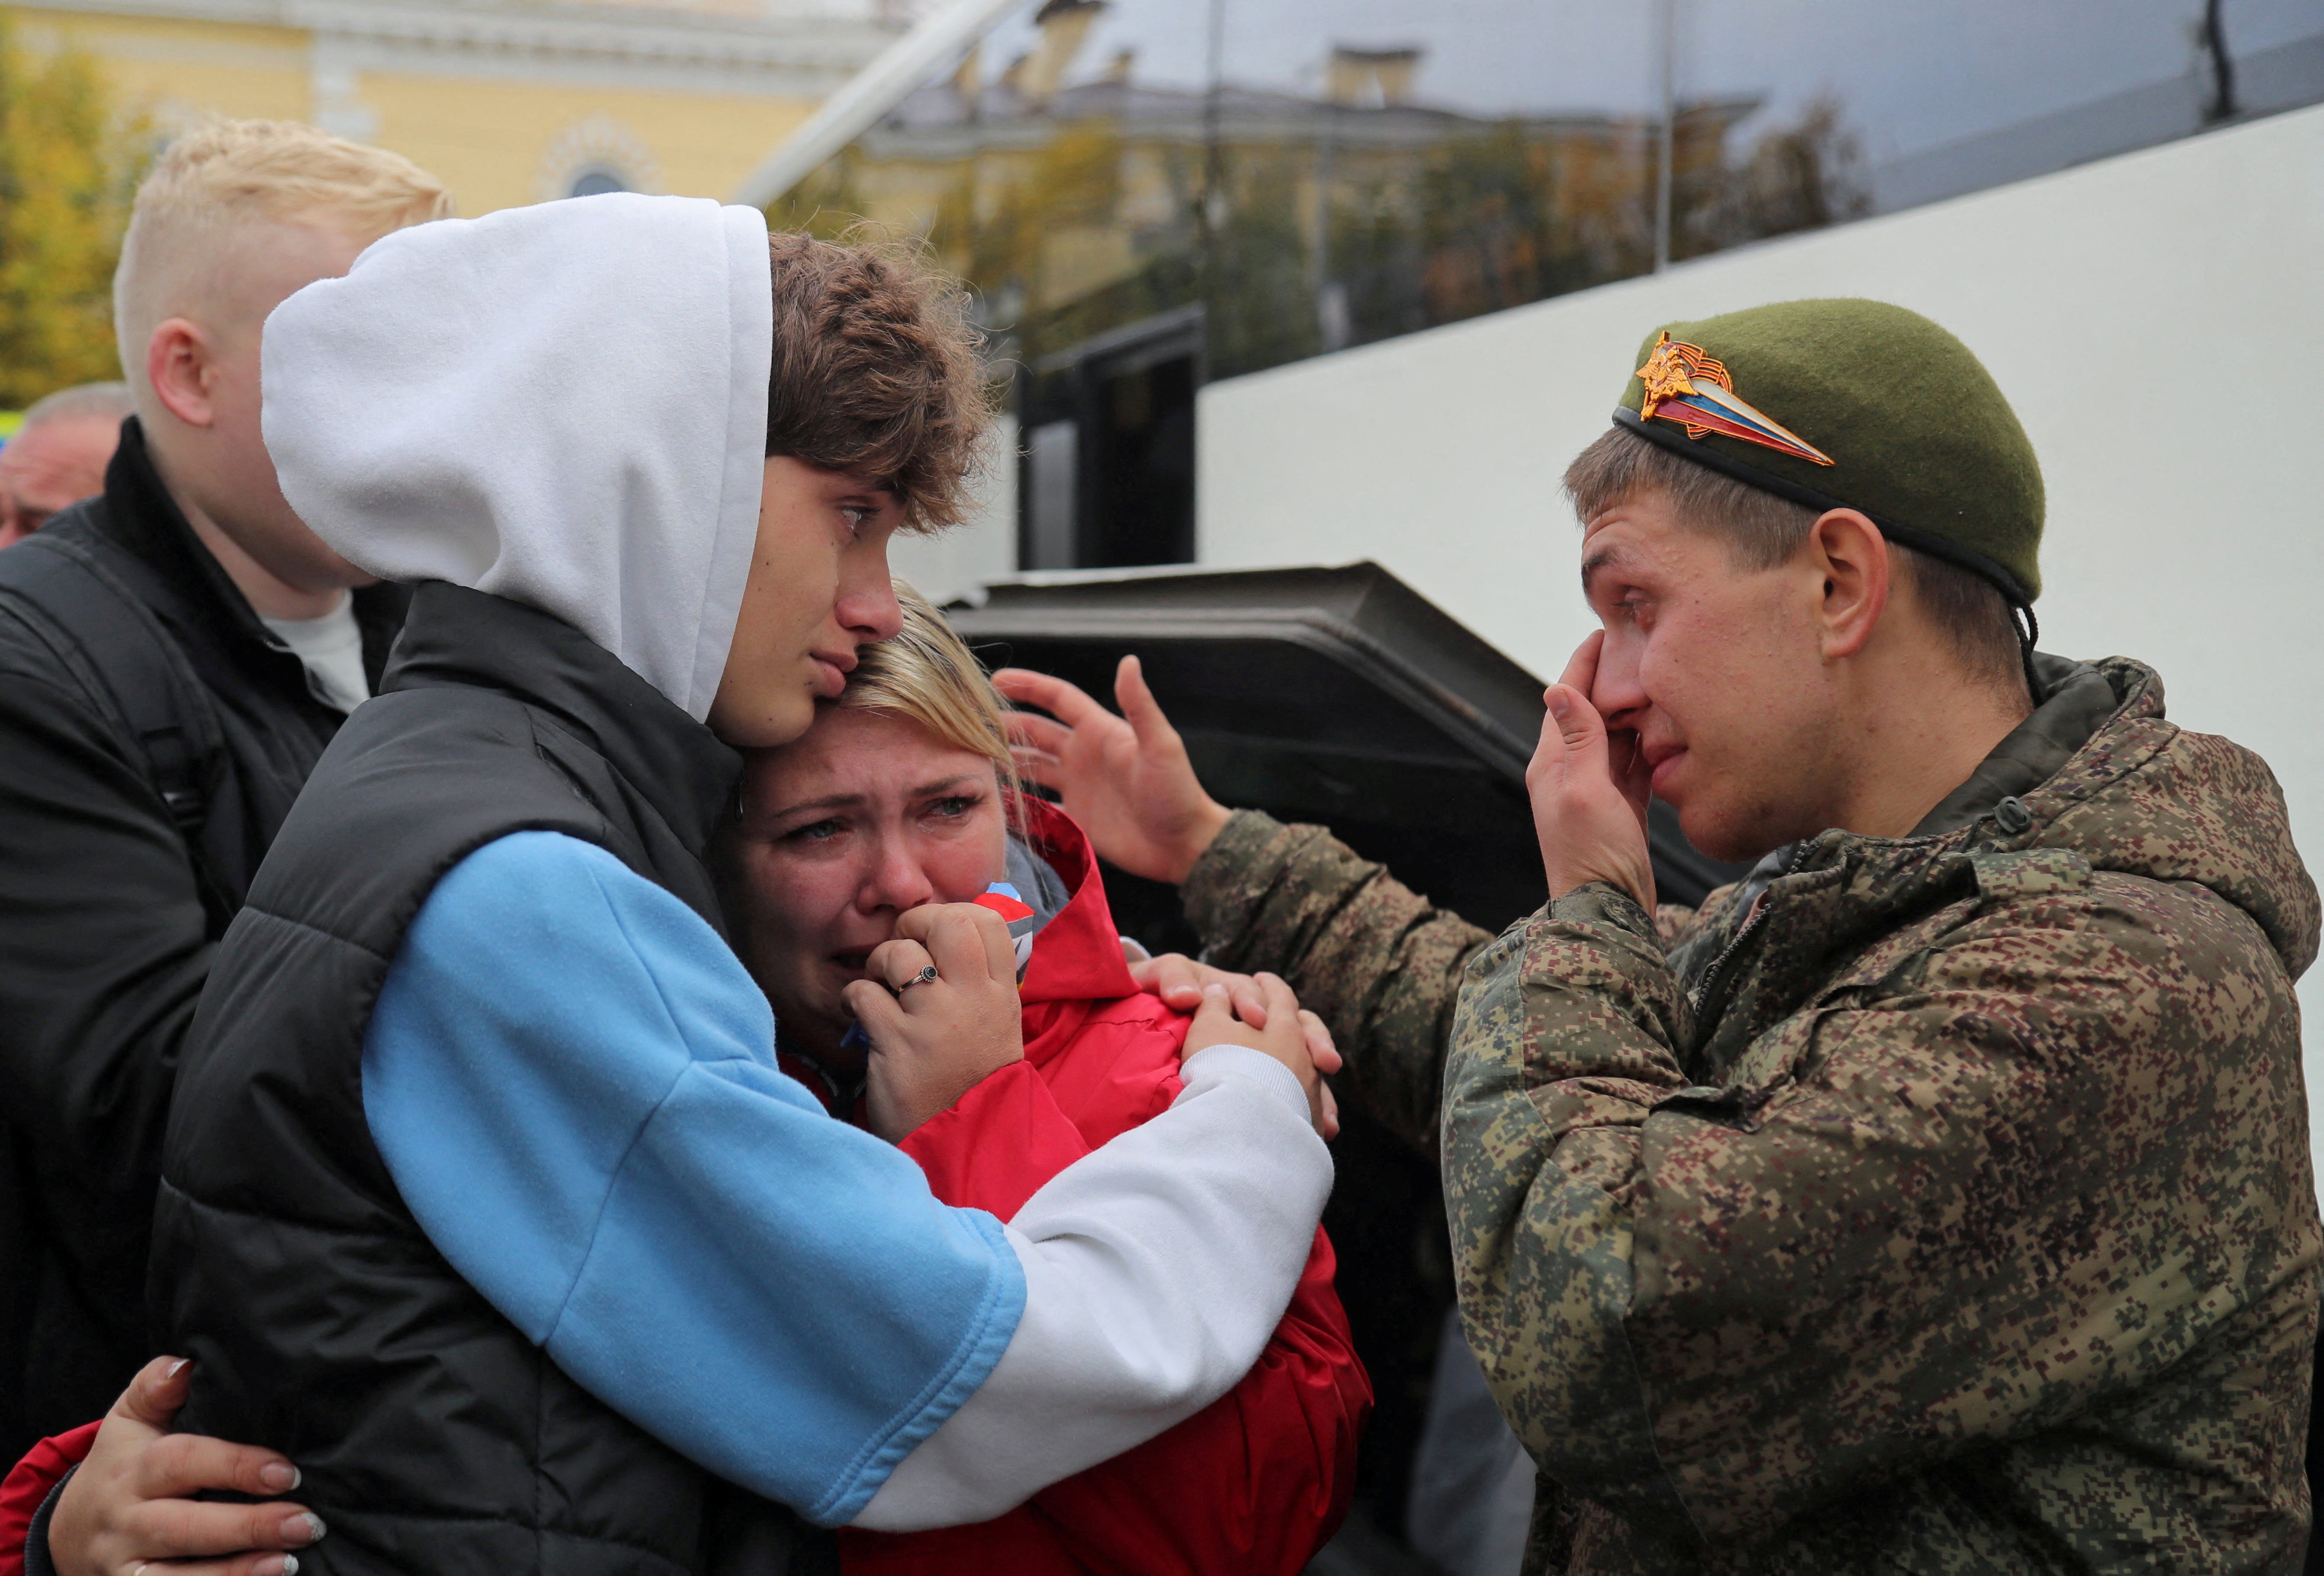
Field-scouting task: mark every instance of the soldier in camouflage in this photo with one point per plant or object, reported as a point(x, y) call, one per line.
point(1936, 1199)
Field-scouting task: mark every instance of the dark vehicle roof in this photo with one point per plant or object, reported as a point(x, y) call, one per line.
point(1336, 696)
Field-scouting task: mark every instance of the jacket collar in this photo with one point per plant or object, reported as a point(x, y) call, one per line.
point(1829, 896)
point(457, 636)
point(2078, 701)
point(144, 519)
point(1077, 955)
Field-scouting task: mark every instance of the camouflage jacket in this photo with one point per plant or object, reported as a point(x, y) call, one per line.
point(1952, 1213)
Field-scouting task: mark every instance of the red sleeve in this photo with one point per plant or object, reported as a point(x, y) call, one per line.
point(995, 1146)
point(1252, 1485)
point(28, 1487)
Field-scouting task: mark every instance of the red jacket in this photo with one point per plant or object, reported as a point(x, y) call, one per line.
point(1252, 1485)
point(28, 1488)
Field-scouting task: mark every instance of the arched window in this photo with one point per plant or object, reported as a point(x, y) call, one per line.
point(595, 180)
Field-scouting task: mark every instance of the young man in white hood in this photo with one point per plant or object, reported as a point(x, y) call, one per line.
point(483, 1199)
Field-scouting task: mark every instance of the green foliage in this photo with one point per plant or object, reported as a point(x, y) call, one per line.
point(1484, 220)
point(67, 174)
point(1261, 299)
point(1802, 176)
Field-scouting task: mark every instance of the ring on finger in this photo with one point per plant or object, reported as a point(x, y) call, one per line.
point(926, 976)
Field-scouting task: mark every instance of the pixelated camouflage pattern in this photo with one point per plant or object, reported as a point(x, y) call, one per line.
point(1971, 1229)
point(1379, 962)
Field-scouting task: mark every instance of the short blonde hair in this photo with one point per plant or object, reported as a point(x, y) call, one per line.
point(927, 674)
point(217, 182)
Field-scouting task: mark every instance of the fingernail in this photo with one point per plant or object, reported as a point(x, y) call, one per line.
point(1560, 705)
point(281, 1477)
point(305, 1527)
point(1214, 989)
point(282, 1565)
point(177, 1368)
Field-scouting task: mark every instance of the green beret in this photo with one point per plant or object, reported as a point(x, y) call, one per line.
point(1852, 404)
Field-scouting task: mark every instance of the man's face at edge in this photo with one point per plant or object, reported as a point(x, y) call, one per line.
point(819, 588)
point(1717, 670)
point(48, 467)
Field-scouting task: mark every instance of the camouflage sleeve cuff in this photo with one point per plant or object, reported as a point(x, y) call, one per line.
point(1246, 856)
point(1608, 1005)
point(1602, 903)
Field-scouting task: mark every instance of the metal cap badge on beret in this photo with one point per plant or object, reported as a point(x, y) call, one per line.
point(1852, 404)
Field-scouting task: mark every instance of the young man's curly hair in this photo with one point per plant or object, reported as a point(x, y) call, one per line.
point(876, 373)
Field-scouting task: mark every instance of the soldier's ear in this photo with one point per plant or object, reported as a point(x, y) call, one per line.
point(1850, 560)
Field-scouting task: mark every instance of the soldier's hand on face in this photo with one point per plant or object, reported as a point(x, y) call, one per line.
point(1294, 1036)
point(132, 1503)
point(933, 1039)
point(1590, 791)
point(1125, 779)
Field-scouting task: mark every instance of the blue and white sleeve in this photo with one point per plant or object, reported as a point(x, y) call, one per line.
point(572, 1082)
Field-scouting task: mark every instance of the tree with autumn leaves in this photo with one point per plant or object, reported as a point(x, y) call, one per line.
point(68, 170)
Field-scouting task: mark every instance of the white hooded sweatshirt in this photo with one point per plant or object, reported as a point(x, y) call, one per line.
point(565, 406)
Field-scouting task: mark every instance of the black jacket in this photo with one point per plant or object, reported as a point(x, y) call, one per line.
point(110, 907)
point(432, 1433)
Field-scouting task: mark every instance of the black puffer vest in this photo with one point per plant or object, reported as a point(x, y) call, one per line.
point(433, 1435)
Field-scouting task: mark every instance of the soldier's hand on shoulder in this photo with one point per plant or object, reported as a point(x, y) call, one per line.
point(1293, 1036)
point(1180, 980)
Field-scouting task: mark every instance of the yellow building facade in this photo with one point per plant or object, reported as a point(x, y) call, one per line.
point(507, 103)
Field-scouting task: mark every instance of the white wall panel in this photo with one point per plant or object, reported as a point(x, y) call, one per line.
point(2153, 318)
point(983, 547)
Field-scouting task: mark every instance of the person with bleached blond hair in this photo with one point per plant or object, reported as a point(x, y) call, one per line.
point(175, 653)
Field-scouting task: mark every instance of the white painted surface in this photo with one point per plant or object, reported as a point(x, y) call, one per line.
point(982, 548)
point(2146, 316)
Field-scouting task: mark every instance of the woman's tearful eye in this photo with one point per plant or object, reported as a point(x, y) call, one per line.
point(814, 832)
